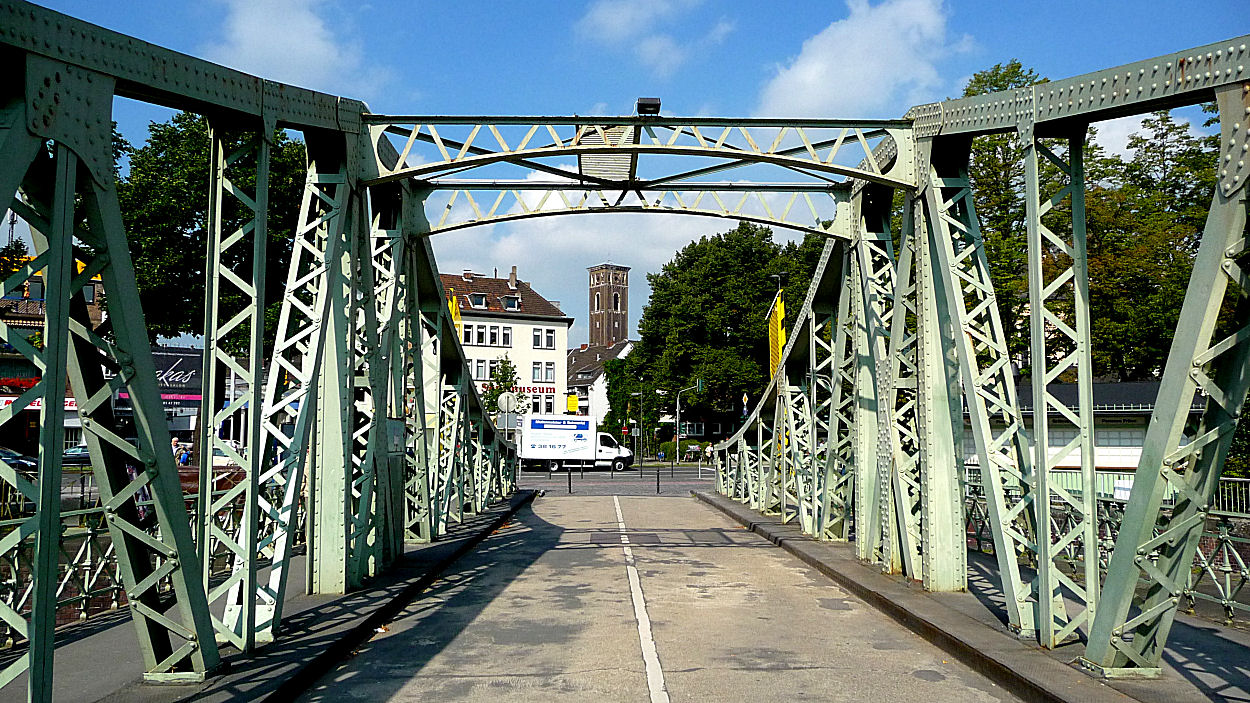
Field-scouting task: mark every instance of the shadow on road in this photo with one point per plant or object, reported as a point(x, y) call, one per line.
point(441, 614)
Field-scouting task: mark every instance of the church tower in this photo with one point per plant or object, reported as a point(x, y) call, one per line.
point(609, 304)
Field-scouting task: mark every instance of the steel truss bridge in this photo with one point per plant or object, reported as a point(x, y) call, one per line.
point(363, 428)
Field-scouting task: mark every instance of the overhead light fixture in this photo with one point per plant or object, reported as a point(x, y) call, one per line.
point(648, 106)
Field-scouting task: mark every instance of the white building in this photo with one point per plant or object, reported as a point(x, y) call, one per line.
point(504, 316)
point(587, 380)
point(1121, 413)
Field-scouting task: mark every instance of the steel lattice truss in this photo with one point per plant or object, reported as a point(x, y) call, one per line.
point(362, 426)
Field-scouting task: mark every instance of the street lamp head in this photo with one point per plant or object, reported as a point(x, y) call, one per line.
point(647, 106)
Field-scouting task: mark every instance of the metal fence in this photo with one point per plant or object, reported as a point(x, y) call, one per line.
point(88, 582)
point(1219, 574)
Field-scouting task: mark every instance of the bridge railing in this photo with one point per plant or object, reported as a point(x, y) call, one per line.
point(1219, 570)
point(90, 582)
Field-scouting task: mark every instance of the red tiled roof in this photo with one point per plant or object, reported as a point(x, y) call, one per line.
point(590, 361)
point(532, 304)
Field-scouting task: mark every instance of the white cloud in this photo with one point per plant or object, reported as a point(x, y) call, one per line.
point(719, 32)
point(1113, 134)
point(293, 41)
point(661, 54)
point(877, 60)
point(636, 24)
point(552, 253)
point(618, 21)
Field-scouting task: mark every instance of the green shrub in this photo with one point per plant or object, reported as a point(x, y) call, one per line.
point(669, 447)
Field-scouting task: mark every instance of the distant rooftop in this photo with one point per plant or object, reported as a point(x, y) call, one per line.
point(479, 293)
point(1128, 396)
point(585, 363)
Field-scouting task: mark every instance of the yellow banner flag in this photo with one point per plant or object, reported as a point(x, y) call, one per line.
point(776, 333)
point(454, 308)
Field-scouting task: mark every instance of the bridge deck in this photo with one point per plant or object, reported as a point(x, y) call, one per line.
point(544, 610)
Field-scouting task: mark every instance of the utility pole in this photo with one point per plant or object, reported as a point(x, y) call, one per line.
point(697, 387)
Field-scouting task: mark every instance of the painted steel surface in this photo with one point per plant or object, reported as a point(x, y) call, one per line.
point(362, 425)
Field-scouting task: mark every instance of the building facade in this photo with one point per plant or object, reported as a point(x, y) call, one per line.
point(506, 317)
point(608, 304)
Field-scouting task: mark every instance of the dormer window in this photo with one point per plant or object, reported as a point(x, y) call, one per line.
point(477, 300)
point(511, 302)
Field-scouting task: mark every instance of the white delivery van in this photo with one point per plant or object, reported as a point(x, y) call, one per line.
point(554, 442)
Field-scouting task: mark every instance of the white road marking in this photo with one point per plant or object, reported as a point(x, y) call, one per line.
point(650, 657)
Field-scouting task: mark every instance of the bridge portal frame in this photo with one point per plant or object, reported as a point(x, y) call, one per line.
point(339, 383)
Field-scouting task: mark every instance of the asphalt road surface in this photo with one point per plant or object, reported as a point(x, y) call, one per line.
point(603, 598)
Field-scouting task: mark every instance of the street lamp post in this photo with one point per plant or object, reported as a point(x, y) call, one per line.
point(638, 434)
point(677, 446)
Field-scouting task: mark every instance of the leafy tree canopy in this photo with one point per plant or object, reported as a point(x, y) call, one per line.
point(706, 319)
point(164, 202)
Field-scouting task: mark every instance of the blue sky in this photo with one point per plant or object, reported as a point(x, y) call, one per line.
point(782, 59)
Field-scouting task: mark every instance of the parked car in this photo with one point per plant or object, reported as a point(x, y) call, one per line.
point(19, 460)
point(76, 456)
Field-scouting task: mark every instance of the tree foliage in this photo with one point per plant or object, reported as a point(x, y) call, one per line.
point(706, 320)
point(164, 201)
point(12, 257)
point(1144, 216)
point(502, 380)
point(996, 169)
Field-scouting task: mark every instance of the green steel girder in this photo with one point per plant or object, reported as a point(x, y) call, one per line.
point(1062, 282)
point(151, 73)
point(837, 513)
point(873, 369)
point(804, 208)
point(943, 548)
point(1183, 78)
point(874, 490)
point(1129, 632)
point(226, 331)
point(824, 148)
point(73, 213)
point(1002, 446)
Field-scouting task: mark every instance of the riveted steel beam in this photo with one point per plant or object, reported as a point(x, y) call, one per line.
point(1173, 80)
point(1002, 446)
point(234, 352)
point(1059, 310)
point(1129, 630)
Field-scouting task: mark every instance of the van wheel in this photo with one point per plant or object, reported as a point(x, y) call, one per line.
point(553, 465)
point(618, 465)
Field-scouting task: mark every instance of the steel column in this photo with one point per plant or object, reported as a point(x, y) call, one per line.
point(1129, 632)
point(985, 368)
point(1059, 278)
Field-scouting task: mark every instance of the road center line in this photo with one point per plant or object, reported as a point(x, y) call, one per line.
point(650, 657)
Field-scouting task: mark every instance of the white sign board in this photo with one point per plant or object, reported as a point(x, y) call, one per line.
point(558, 437)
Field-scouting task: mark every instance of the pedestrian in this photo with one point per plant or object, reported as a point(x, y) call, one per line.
point(173, 445)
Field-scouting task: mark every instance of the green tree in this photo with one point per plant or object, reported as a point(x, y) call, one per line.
point(503, 379)
point(164, 202)
point(12, 257)
point(706, 319)
point(1144, 222)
